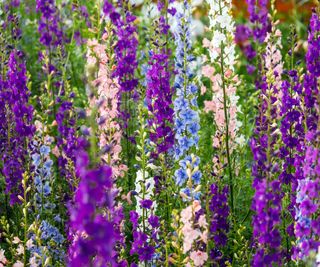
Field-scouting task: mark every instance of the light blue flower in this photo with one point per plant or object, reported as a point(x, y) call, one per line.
point(48, 164)
point(46, 189)
point(180, 125)
point(196, 177)
point(192, 89)
point(36, 159)
point(185, 143)
point(193, 128)
point(44, 150)
point(189, 116)
point(181, 176)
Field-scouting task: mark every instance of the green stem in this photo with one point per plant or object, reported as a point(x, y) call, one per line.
point(225, 108)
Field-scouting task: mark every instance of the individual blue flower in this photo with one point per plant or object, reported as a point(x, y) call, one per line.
point(180, 125)
point(181, 176)
point(48, 164)
point(192, 89)
point(196, 177)
point(193, 128)
point(37, 180)
point(189, 116)
point(46, 189)
point(44, 150)
point(185, 143)
point(36, 159)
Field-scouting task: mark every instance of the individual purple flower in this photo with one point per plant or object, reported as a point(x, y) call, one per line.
point(16, 127)
point(146, 203)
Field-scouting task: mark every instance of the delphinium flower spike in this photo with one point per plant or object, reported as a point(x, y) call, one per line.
point(16, 127)
point(93, 242)
point(159, 91)
point(292, 135)
point(185, 104)
point(104, 93)
point(125, 48)
point(307, 227)
point(267, 199)
point(251, 37)
point(220, 71)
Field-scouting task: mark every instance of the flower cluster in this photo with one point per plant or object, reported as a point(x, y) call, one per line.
point(107, 92)
point(308, 198)
point(258, 29)
point(268, 194)
point(49, 28)
point(145, 235)
point(159, 101)
point(224, 81)
point(185, 105)
point(43, 174)
point(258, 13)
point(125, 52)
point(195, 233)
point(66, 141)
point(159, 91)
point(219, 208)
point(94, 231)
point(16, 124)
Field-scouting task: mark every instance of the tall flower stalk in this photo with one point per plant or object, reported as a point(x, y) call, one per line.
point(103, 94)
point(267, 199)
point(308, 198)
point(126, 65)
point(220, 71)
point(16, 127)
point(185, 104)
point(159, 91)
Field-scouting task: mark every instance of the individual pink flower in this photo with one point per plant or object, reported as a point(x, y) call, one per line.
point(208, 71)
point(202, 221)
point(199, 257)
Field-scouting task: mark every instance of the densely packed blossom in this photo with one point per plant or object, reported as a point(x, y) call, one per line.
point(185, 105)
point(49, 28)
point(223, 80)
point(307, 200)
point(159, 91)
point(94, 231)
point(107, 92)
point(125, 52)
point(16, 127)
point(268, 194)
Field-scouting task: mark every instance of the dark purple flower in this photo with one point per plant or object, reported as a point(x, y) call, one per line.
point(154, 221)
point(125, 51)
point(93, 194)
point(307, 226)
point(146, 203)
point(15, 125)
point(49, 28)
point(219, 208)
